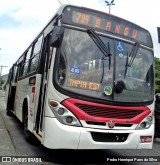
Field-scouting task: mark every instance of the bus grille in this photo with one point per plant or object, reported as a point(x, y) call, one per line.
point(115, 113)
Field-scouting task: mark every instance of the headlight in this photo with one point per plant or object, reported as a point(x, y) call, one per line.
point(62, 114)
point(145, 123)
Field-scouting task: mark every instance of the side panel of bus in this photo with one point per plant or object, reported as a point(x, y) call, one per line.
point(27, 98)
point(31, 92)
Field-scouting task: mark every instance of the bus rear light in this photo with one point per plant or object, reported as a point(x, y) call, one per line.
point(145, 139)
point(62, 114)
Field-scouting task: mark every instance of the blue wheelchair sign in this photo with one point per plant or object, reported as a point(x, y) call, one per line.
point(120, 46)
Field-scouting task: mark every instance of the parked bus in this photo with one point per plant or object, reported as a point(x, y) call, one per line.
point(85, 82)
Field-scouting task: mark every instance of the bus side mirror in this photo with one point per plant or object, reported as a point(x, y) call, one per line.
point(56, 37)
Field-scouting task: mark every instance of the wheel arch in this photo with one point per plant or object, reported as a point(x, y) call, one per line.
point(24, 108)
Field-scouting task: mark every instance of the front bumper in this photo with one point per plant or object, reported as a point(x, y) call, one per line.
point(60, 136)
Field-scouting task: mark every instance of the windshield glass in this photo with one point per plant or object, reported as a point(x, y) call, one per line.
point(134, 74)
point(82, 69)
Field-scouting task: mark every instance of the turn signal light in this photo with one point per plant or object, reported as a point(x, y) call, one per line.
point(53, 104)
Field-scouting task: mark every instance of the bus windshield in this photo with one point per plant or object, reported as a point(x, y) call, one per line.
point(125, 76)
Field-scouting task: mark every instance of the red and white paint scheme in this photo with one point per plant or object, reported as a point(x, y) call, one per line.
point(85, 82)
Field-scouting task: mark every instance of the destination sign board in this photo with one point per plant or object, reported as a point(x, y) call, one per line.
point(92, 19)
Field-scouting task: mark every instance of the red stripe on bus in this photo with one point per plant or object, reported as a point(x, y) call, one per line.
point(95, 112)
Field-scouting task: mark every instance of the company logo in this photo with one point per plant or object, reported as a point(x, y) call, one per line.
point(111, 124)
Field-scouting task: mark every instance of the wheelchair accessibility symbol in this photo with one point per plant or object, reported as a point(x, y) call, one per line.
point(120, 46)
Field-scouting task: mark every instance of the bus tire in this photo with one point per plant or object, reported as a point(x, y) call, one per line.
point(27, 134)
point(9, 113)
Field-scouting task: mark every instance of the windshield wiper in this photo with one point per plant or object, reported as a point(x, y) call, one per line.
point(126, 65)
point(100, 44)
point(132, 54)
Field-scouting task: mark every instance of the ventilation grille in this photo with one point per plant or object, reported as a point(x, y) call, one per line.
point(115, 113)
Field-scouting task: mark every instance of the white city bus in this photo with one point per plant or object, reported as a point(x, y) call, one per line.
point(85, 82)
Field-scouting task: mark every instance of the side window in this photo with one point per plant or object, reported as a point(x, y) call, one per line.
point(20, 65)
point(9, 76)
point(28, 54)
point(34, 63)
point(25, 68)
point(20, 69)
point(25, 65)
point(15, 74)
point(37, 46)
point(36, 54)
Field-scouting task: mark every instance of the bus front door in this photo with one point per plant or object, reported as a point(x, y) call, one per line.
point(46, 56)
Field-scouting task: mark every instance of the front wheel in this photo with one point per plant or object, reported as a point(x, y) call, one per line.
point(27, 134)
point(9, 113)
